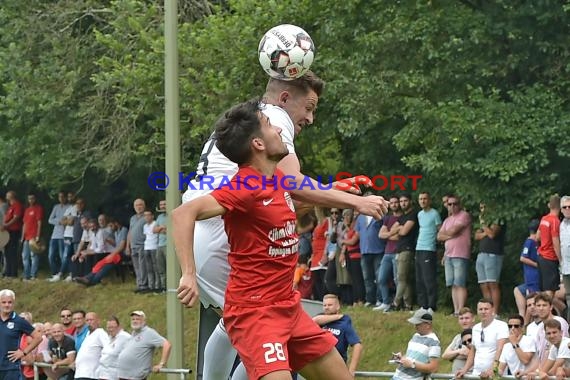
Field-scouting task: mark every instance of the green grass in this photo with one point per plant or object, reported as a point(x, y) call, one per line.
point(381, 334)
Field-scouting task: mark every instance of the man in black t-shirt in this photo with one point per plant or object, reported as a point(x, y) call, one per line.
point(62, 350)
point(407, 226)
point(491, 236)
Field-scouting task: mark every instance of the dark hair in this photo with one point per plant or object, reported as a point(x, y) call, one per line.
point(82, 312)
point(486, 300)
point(533, 226)
point(236, 128)
point(516, 316)
point(406, 195)
point(309, 81)
point(466, 332)
point(531, 295)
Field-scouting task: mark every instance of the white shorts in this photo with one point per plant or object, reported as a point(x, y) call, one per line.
point(211, 250)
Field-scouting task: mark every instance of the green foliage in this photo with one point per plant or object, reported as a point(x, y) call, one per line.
point(472, 95)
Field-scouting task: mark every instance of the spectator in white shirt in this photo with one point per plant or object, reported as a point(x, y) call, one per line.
point(102, 242)
point(558, 361)
point(489, 337)
point(109, 362)
point(565, 248)
point(88, 355)
point(56, 255)
point(519, 349)
point(543, 305)
point(534, 321)
point(150, 262)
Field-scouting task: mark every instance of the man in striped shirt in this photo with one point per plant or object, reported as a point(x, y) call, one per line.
point(424, 350)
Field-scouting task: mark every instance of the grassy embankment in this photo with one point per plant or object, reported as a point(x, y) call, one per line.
point(381, 334)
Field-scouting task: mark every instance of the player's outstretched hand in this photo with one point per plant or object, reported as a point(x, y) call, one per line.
point(373, 205)
point(351, 184)
point(188, 290)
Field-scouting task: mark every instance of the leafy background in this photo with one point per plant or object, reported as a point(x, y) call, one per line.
point(472, 94)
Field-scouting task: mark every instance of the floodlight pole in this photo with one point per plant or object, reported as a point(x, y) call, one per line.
point(172, 167)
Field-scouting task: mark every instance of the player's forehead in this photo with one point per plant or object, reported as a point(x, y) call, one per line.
point(263, 119)
point(311, 98)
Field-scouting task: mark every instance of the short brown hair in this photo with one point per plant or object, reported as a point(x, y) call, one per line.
point(465, 310)
point(309, 81)
point(554, 202)
point(486, 300)
point(552, 324)
point(543, 296)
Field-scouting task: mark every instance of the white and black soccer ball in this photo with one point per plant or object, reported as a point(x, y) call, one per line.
point(286, 52)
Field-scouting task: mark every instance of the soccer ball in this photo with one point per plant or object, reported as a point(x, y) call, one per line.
point(286, 52)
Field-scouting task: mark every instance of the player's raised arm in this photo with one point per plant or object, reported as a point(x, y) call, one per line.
point(184, 219)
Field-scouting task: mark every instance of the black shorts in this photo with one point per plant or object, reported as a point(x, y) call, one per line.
point(549, 274)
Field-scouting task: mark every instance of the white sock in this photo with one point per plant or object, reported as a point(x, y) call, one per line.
point(219, 355)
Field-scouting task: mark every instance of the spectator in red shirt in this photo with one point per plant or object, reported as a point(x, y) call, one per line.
point(13, 224)
point(31, 232)
point(549, 249)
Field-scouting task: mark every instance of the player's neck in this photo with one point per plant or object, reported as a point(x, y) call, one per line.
point(264, 166)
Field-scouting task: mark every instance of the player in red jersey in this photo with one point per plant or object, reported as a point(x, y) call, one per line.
point(262, 313)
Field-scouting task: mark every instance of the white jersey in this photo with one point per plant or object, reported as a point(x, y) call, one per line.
point(213, 166)
point(211, 246)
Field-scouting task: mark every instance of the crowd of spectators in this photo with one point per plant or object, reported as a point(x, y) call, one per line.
point(383, 263)
point(361, 261)
point(76, 347)
point(83, 247)
point(370, 262)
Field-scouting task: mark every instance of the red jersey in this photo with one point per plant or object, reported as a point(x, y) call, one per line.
point(260, 223)
point(319, 243)
point(15, 209)
point(352, 250)
point(549, 228)
point(32, 215)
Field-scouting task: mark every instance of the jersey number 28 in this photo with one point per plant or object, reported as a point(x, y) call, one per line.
point(274, 352)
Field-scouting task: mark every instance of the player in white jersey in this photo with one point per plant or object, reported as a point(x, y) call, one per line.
point(290, 105)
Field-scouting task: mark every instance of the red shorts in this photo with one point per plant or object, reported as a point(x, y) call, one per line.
point(277, 337)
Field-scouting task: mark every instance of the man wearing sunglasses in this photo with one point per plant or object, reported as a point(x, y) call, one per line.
point(456, 233)
point(65, 319)
point(519, 351)
point(458, 350)
point(489, 337)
